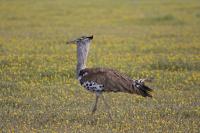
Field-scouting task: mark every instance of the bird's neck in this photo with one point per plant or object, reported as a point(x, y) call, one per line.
point(82, 53)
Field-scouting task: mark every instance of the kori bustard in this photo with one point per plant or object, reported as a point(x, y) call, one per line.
point(99, 80)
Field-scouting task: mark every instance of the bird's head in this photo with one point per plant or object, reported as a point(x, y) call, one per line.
point(81, 40)
point(83, 45)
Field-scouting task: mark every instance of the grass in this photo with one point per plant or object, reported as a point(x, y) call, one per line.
point(38, 89)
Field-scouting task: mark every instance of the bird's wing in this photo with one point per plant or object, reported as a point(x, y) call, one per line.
point(110, 79)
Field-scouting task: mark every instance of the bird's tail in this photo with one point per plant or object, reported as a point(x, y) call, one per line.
point(141, 88)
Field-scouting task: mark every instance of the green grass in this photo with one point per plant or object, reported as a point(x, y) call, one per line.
point(38, 89)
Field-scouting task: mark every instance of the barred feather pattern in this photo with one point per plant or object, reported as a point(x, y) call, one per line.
point(141, 88)
point(113, 81)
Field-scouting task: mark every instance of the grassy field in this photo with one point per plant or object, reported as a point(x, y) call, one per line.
point(38, 89)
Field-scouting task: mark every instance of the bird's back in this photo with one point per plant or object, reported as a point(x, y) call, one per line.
point(111, 80)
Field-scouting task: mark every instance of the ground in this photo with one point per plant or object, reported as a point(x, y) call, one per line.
point(140, 38)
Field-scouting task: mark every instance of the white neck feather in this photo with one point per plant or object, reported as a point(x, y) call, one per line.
point(82, 53)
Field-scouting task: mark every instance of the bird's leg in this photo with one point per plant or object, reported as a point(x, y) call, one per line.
point(107, 106)
point(95, 104)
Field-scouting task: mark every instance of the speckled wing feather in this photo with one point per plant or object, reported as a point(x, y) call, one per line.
point(111, 79)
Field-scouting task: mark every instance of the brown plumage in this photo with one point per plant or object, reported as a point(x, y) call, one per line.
point(99, 80)
point(114, 81)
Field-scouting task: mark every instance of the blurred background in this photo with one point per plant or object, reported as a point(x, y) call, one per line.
point(141, 38)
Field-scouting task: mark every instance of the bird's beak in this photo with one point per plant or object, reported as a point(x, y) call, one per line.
point(75, 41)
point(71, 42)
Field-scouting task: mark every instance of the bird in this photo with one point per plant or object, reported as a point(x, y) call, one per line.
point(99, 80)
